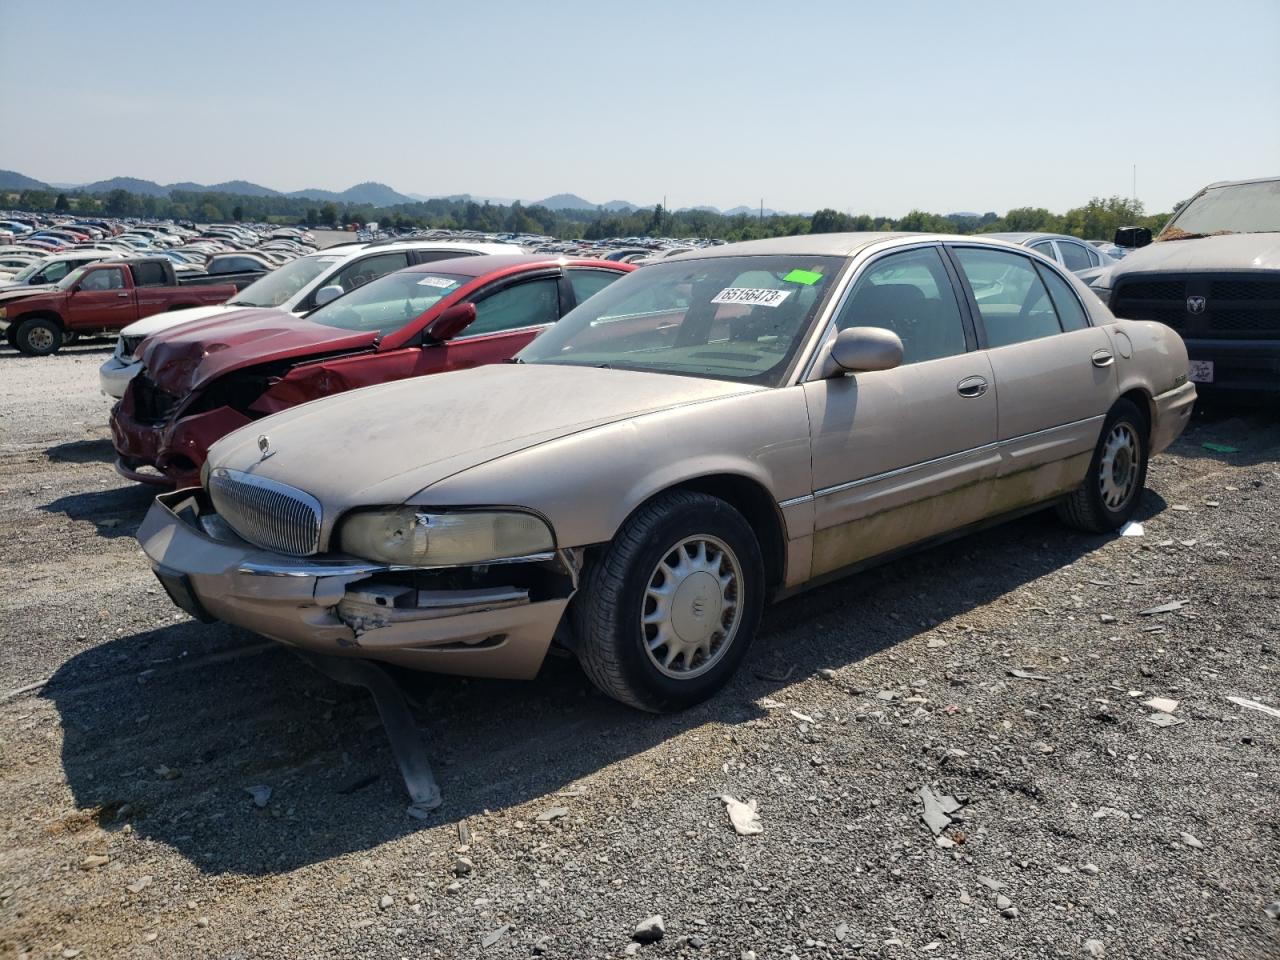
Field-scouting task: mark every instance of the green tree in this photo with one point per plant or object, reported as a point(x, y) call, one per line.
point(122, 203)
point(62, 204)
point(237, 213)
point(329, 214)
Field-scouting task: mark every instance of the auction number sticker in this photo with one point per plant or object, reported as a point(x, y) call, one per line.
point(439, 282)
point(751, 296)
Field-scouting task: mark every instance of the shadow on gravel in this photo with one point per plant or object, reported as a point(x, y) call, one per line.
point(90, 349)
point(171, 751)
point(83, 451)
point(1233, 431)
point(116, 512)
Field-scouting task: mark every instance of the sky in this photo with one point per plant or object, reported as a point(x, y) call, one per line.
point(864, 107)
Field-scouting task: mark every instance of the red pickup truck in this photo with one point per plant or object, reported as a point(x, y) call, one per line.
point(98, 298)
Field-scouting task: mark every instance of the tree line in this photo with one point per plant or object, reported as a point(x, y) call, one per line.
point(1096, 219)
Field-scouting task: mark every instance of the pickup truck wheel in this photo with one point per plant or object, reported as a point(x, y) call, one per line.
point(38, 337)
point(667, 611)
point(1117, 474)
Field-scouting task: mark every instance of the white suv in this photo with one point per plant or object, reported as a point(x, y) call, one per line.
point(299, 287)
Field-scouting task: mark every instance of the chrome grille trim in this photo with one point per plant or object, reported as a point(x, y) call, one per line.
point(267, 513)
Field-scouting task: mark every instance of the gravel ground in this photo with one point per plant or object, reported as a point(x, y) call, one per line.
point(1008, 670)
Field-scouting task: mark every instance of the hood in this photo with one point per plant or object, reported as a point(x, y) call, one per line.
point(164, 321)
point(190, 355)
point(1232, 251)
point(17, 291)
point(384, 443)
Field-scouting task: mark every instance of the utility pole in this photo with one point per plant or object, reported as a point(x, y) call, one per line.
point(762, 209)
point(1135, 183)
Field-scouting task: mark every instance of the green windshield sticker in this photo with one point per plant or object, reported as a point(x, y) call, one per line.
point(807, 277)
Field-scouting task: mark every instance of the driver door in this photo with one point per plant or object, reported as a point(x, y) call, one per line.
point(905, 454)
point(102, 300)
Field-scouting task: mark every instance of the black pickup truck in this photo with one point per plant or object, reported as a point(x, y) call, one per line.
point(1213, 274)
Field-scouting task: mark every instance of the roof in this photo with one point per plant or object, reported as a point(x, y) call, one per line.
point(824, 244)
point(349, 248)
point(491, 263)
point(1026, 237)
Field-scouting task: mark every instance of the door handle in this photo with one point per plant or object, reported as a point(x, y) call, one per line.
point(1103, 358)
point(121, 294)
point(971, 387)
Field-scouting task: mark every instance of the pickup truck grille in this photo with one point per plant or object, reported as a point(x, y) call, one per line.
point(269, 514)
point(150, 403)
point(1235, 307)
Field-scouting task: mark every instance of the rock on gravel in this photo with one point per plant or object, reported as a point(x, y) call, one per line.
point(650, 930)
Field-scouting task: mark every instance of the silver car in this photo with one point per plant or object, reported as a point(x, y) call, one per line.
point(709, 433)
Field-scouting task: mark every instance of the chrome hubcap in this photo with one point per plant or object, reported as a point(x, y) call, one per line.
point(692, 607)
point(1118, 471)
point(41, 338)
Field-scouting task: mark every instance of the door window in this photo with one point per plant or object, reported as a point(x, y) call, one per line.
point(370, 268)
point(910, 294)
point(1045, 248)
point(106, 279)
point(1074, 256)
point(587, 283)
point(1014, 304)
point(1065, 301)
point(523, 305)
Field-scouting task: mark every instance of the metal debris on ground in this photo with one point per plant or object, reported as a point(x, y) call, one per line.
point(1169, 607)
point(937, 809)
point(261, 793)
point(744, 816)
point(1026, 675)
point(1255, 705)
point(1132, 529)
point(1163, 704)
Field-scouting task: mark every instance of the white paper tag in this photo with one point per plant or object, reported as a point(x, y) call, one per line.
point(439, 282)
point(751, 296)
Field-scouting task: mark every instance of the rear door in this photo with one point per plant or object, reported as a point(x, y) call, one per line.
point(102, 300)
point(905, 454)
point(1055, 375)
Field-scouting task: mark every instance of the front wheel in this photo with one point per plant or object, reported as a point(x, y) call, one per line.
point(1117, 474)
point(667, 611)
point(38, 337)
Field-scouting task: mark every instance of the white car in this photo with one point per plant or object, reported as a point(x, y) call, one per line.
point(298, 287)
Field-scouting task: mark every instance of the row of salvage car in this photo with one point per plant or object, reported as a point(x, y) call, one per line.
point(667, 450)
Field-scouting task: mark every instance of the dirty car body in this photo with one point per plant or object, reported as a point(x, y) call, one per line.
point(709, 432)
point(206, 378)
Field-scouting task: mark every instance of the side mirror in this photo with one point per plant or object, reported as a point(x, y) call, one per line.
point(861, 350)
point(1132, 237)
point(328, 294)
point(452, 322)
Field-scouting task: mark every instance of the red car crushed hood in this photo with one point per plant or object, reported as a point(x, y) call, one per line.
point(189, 356)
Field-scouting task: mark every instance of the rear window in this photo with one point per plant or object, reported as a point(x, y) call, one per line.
point(149, 274)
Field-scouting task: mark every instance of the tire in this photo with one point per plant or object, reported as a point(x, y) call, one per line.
point(11, 336)
point(1106, 500)
point(699, 539)
point(38, 337)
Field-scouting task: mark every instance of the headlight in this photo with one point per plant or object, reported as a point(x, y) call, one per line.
point(414, 537)
point(2, 313)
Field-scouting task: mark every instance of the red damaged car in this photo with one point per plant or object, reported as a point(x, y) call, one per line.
point(203, 379)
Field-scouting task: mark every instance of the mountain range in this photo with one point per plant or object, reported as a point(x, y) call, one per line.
point(371, 193)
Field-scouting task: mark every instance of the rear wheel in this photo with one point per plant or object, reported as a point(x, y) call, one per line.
point(38, 337)
point(1117, 474)
point(667, 612)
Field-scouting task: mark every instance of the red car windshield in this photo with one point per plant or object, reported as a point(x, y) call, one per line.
point(389, 302)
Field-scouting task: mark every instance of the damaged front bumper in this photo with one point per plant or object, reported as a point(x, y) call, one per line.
point(495, 620)
point(169, 452)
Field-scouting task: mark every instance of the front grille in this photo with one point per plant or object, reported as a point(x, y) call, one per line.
point(1241, 306)
point(129, 346)
point(271, 515)
point(150, 403)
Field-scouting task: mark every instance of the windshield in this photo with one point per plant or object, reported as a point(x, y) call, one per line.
point(67, 282)
point(727, 318)
point(1236, 208)
point(389, 302)
point(26, 272)
point(279, 285)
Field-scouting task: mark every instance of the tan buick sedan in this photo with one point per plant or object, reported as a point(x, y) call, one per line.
point(708, 433)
